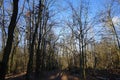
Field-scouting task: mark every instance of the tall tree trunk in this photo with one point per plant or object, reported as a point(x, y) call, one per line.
point(38, 57)
point(8, 47)
point(31, 53)
point(30, 62)
point(39, 50)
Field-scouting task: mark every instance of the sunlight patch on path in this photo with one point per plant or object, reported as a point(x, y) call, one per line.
point(64, 77)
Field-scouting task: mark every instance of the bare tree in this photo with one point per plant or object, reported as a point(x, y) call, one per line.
point(8, 46)
point(108, 20)
point(30, 62)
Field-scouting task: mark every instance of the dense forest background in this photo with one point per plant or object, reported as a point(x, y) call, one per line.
point(80, 38)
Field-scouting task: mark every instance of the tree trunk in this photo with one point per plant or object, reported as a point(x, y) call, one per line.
point(118, 43)
point(3, 29)
point(30, 62)
point(8, 47)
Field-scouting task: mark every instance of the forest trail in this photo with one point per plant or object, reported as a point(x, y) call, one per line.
point(66, 75)
point(51, 75)
point(62, 75)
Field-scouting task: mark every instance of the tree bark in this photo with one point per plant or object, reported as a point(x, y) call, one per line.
point(8, 47)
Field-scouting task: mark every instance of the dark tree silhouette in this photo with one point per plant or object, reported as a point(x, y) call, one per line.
point(8, 47)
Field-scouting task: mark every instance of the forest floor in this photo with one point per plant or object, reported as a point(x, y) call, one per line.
point(72, 75)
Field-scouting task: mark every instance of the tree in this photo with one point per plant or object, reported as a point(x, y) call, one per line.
point(7, 49)
point(81, 27)
point(108, 20)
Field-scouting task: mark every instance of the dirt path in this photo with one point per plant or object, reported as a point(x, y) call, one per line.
point(65, 75)
point(51, 75)
point(61, 75)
